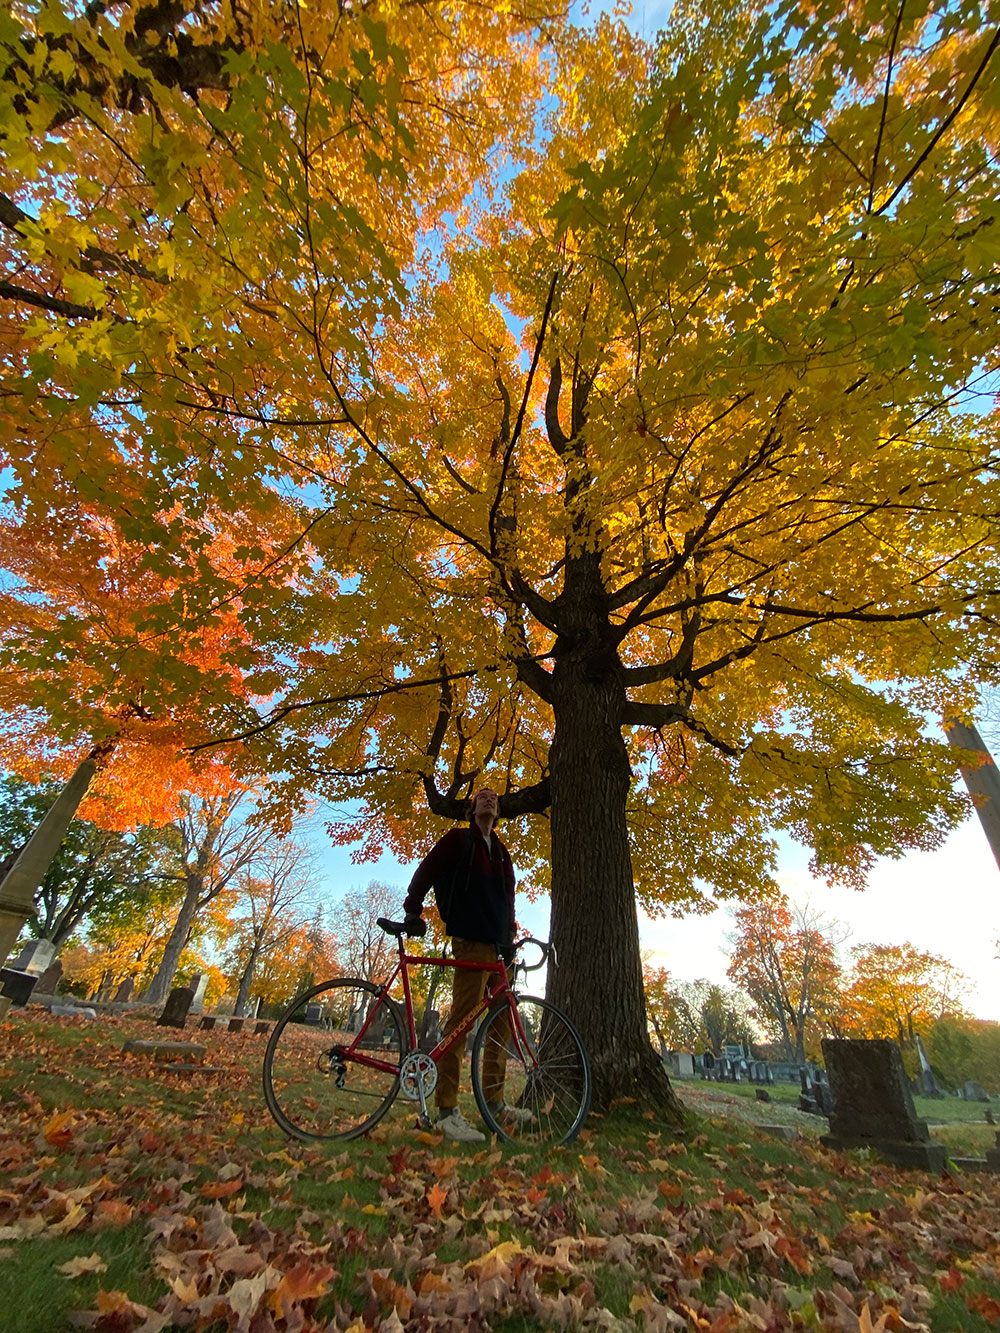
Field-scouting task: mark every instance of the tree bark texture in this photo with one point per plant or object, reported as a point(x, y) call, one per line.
point(595, 928)
point(246, 981)
point(159, 987)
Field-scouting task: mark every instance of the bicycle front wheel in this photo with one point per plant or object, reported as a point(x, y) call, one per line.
point(536, 1069)
point(331, 1069)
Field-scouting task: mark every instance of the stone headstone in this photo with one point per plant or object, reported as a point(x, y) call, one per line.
point(236, 1025)
point(175, 1011)
point(253, 1008)
point(48, 982)
point(72, 1011)
point(872, 1104)
point(975, 1092)
point(124, 992)
point(163, 1050)
point(207, 1022)
point(762, 1094)
point(198, 985)
point(35, 957)
point(685, 1064)
point(261, 1028)
point(314, 1013)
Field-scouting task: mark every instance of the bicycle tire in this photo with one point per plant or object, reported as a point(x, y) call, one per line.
point(313, 1085)
point(550, 1080)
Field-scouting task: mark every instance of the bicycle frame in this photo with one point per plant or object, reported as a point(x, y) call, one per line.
point(496, 987)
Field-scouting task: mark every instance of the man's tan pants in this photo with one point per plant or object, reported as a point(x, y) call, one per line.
point(466, 991)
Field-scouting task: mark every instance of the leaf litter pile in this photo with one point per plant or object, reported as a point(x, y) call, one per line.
point(136, 1199)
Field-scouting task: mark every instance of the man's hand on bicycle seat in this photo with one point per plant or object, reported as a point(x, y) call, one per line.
point(415, 925)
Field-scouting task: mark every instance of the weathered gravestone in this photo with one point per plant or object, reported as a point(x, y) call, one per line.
point(21, 978)
point(35, 957)
point(975, 1092)
point(198, 985)
point(123, 994)
point(873, 1105)
point(48, 982)
point(207, 1022)
point(175, 1011)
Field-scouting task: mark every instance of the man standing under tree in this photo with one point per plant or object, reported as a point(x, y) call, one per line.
point(472, 876)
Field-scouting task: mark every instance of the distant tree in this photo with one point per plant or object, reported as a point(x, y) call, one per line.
point(215, 842)
point(365, 950)
point(696, 1015)
point(125, 939)
point(662, 1004)
point(897, 990)
point(788, 966)
point(949, 1043)
point(271, 895)
point(94, 867)
point(317, 956)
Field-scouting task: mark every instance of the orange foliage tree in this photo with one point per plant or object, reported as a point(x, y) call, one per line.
point(898, 991)
point(270, 920)
point(789, 968)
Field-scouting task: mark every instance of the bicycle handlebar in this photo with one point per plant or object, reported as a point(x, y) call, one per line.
point(548, 951)
point(399, 929)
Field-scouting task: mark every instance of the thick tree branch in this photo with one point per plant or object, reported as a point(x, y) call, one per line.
point(93, 259)
point(533, 800)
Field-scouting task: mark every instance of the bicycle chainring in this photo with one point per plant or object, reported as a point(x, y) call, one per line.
point(417, 1074)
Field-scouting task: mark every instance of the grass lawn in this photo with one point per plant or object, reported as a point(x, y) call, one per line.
point(135, 1199)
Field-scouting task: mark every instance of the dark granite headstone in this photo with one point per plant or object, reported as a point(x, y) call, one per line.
point(124, 992)
point(236, 1025)
point(175, 1011)
point(207, 1022)
point(260, 1028)
point(873, 1106)
point(16, 985)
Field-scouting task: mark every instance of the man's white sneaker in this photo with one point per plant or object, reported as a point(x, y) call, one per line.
point(514, 1115)
point(458, 1129)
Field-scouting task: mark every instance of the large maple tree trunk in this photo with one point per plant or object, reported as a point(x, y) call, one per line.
point(595, 927)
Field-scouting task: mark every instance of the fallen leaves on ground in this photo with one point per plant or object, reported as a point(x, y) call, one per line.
point(236, 1229)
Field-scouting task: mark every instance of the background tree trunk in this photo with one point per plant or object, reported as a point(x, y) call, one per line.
point(246, 981)
point(159, 988)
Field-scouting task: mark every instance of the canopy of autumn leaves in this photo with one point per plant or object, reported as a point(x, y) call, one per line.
point(337, 344)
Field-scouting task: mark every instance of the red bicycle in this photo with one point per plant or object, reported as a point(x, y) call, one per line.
point(341, 1053)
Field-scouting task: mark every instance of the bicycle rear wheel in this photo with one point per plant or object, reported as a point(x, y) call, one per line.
point(331, 1069)
point(541, 1072)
